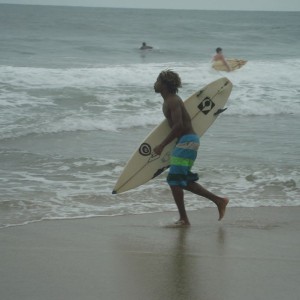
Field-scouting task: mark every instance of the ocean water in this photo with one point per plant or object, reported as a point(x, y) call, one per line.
point(76, 99)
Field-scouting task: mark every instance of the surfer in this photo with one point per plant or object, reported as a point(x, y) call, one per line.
point(145, 47)
point(180, 177)
point(220, 57)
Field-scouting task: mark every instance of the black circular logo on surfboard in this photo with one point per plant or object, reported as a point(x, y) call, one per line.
point(206, 105)
point(145, 149)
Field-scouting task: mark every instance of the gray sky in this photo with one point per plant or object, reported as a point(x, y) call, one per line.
point(277, 5)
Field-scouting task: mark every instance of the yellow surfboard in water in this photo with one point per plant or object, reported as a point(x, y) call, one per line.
point(234, 64)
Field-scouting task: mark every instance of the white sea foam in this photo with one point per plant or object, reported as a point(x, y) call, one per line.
point(121, 96)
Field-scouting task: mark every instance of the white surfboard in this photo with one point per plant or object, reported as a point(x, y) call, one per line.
point(203, 106)
point(233, 63)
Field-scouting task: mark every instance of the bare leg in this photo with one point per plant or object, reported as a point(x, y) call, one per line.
point(221, 203)
point(178, 196)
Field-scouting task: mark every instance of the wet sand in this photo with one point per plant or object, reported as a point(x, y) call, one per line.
point(253, 253)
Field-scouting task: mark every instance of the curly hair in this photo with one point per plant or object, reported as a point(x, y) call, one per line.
point(171, 80)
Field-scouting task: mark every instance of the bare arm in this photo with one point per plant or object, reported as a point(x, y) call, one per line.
point(225, 63)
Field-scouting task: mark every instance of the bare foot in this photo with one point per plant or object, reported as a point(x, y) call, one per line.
point(179, 224)
point(182, 223)
point(222, 207)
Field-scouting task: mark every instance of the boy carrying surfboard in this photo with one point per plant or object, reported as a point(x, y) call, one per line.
point(180, 177)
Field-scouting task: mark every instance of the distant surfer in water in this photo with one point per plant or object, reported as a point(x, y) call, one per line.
point(180, 177)
point(220, 57)
point(145, 47)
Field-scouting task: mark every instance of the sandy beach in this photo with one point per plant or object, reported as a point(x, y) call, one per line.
point(252, 254)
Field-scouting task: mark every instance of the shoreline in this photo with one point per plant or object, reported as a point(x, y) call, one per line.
point(253, 253)
point(174, 212)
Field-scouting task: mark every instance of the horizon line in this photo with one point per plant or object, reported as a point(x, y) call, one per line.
point(147, 8)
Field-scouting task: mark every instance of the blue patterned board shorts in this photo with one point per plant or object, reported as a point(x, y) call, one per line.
point(182, 159)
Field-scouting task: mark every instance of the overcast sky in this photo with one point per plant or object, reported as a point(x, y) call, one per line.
point(277, 5)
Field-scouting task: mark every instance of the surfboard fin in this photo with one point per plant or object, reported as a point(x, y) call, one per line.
point(159, 171)
point(219, 111)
